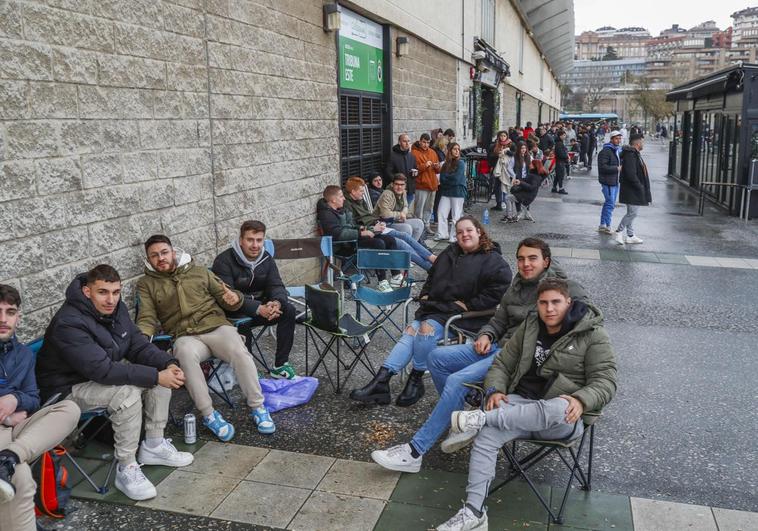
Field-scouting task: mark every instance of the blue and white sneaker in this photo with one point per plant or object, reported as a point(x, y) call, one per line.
point(262, 419)
point(220, 428)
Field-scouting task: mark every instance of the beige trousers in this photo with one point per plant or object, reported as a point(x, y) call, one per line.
point(30, 439)
point(125, 405)
point(225, 344)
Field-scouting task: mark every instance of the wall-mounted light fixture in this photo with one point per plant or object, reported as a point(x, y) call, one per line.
point(403, 46)
point(332, 21)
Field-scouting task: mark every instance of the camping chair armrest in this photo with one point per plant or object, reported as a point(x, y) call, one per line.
point(53, 399)
point(465, 315)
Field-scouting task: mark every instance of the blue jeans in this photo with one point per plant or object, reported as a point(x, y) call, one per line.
point(610, 193)
point(451, 367)
point(419, 253)
point(416, 347)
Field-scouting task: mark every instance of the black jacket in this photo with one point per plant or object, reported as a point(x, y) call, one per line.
point(608, 166)
point(526, 191)
point(547, 141)
point(81, 345)
point(259, 286)
point(478, 279)
point(635, 183)
point(401, 162)
point(561, 152)
point(338, 224)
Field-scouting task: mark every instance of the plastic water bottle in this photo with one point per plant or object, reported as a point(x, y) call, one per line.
point(486, 216)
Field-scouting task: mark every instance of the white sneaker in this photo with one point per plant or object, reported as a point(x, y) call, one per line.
point(619, 237)
point(132, 482)
point(527, 215)
point(397, 281)
point(397, 458)
point(465, 520)
point(472, 420)
point(634, 239)
point(384, 285)
point(165, 454)
point(457, 441)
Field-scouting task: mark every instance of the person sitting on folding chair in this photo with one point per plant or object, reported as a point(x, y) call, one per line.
point(392, 207)
point(26, 431)
point(84, 357)
point(364, 215)
point(247, 267)
point(186, 300)
point(454, 365)
point(468, 275)
point(337, 221)
point(558, 365)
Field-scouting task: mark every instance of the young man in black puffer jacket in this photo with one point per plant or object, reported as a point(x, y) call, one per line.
point(247, 267)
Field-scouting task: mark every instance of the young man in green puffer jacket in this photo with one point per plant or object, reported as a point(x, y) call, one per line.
point(558, 365)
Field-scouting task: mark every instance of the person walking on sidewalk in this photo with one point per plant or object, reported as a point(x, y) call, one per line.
point(561, 163)
point(635, 188)
point(608, 168)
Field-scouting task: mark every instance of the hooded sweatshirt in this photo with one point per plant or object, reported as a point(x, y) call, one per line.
point(17, 375)
point(187, 301)
point(83, 345)
point(427, 177)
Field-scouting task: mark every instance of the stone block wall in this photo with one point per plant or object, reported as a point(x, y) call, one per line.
point(423, 89)
point(120, 119)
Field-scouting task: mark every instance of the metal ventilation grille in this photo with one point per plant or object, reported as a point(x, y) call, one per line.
point(361, 134)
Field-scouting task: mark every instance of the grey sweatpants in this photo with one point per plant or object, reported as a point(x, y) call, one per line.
point(519, 418)
point(627, 221)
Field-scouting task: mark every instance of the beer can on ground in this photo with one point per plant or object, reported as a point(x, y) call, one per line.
point(190, 429)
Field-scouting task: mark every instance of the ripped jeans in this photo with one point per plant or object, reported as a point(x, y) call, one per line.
point(414, 347)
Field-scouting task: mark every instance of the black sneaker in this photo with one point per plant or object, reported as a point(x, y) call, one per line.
point(8, 462)
point(563, 192)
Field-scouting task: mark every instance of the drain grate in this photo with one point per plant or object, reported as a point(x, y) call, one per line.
point(552, 236)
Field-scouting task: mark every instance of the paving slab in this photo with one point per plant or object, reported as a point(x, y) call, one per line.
point(191, 493)
point(227, 460)
point(410, 517)
point(262, 504)
point(325, 511)
point(292, 469)
point(594, 510)
point(707, 261)
point(592, 254)
point(668, 258)
point(564, 252)
point(359, 479)
point(617, 255)
point(659, 515)
point(752, 262)
point(642, 256)
point(738, 263)
point(731, 520)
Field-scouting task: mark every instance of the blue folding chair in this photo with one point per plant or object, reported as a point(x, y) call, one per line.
point(384, 302)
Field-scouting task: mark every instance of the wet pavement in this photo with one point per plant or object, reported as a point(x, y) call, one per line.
point(682, 427)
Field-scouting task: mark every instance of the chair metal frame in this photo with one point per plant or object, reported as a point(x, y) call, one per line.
point(339, 334)
point(573, 447)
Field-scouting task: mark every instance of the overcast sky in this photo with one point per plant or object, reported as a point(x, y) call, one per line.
point(655, 15)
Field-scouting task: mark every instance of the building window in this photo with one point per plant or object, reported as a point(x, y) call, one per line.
point(542, 76)
point(488, 21)
point(521, 51)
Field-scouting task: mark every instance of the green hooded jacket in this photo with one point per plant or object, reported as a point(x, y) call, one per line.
point(581, 363)
point(520, 299)
point(187, 301)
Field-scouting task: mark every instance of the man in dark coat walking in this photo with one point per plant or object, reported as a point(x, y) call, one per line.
point(401, 160)
point(635, 188)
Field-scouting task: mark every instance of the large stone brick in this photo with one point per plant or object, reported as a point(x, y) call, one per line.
point(10, 20)
point(52, 100)
point(144, 42)
point(100, 204)
point(21, 257)
point(186, 77)
point(25, 60)
point(183, 20)
point(187, 105)
point(34, 323)
point(192, 188)
point(101, 170)
point(19, 179)
point(162, 134)
point(99, 102)
point(140, 166)
point(129, 231)
point(121, 71)
point(55, 176)
point(37, 215)
point(157, 195)
point(181, 162)
point(14, 97)
point(148, 13)
point(187, 217)
point(32, 139)
point(74, 66)
point(65, 28)
point(65, 246)
point(95, 136)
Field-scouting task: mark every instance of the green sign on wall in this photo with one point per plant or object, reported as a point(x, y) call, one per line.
point(361, 53)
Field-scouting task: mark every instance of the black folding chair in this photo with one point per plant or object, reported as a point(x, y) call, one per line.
point(326, 317)
point(568, 450)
